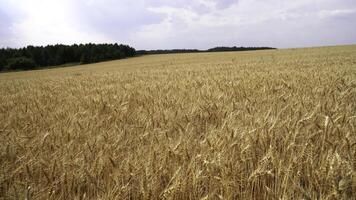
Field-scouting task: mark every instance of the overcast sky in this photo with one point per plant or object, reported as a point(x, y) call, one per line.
point(163, 24)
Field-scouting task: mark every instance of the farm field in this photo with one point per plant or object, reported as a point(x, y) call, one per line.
point(274, 124)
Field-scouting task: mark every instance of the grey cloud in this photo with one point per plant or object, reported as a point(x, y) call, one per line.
point(5, 22)
point(9, 15)
point(119, 20)
point(225, 3)
point(196, 24)
point(346, 14)
point(268, 23)
point(114, 19)
point(197, 6)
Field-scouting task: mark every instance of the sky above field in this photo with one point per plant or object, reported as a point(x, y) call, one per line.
point(162, 24)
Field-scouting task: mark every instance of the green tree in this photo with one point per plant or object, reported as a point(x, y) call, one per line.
point(20, 63)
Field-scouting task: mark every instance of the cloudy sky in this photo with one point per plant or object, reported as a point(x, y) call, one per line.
point(161, 24)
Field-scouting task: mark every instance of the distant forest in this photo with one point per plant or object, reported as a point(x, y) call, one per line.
point(32, 57)
point(216, 49)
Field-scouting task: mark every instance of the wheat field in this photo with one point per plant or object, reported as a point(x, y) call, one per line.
point(276, 124)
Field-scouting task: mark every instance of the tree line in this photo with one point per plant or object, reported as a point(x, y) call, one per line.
point(167, 51)
point(32, 57)
point(220, 49)
point(215, 49)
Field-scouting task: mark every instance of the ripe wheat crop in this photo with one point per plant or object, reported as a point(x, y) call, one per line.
point(277, 124)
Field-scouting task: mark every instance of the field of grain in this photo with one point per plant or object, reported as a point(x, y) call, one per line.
point(277, 124)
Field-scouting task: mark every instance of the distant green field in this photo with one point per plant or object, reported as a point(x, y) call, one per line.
point(274, 124)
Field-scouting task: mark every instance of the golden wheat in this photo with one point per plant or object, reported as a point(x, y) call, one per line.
point(274, 124)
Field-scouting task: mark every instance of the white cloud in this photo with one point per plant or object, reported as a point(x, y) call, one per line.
point(49, 22)
point(336, 13)
point(152, 24)
point(251, 23)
